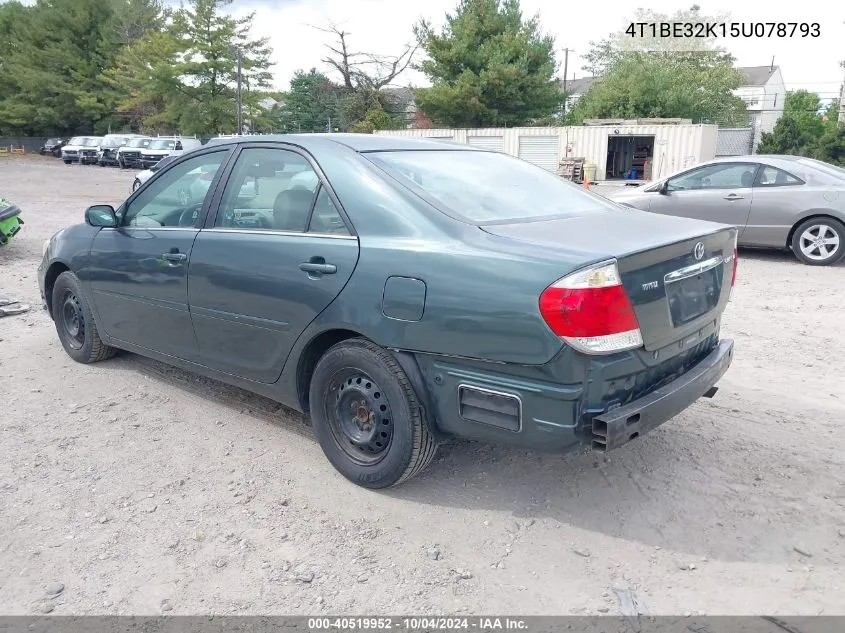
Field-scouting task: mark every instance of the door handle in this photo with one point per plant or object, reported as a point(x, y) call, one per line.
point(174, 257)
point(318, 265)
point(733, 196)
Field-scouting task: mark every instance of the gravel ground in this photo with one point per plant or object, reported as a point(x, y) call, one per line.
point(129, 487)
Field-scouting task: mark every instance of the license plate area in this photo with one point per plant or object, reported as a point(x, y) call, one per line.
point(693, 296)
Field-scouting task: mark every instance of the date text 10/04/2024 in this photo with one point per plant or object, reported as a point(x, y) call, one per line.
point(417, 623)
point(707, 30)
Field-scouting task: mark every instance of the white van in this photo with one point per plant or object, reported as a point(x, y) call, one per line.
point(164, 146)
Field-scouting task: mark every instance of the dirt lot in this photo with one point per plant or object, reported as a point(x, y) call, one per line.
point(144, 489)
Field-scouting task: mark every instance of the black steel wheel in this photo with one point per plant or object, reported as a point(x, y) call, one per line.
point(75, 322)
point(367, 416)
point(361, 418)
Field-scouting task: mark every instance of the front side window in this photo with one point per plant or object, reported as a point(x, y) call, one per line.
point(774, 177)
point(270, 189)
point(719, 176)
point(488, 187)
point(176, 196)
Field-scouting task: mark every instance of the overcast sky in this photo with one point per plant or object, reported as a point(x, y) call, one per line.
point(383, 26)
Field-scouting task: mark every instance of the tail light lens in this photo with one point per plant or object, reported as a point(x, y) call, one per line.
point(591, 311)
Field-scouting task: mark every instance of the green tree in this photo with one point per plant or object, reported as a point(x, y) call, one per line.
point(51, 74)
point(644, 86)
point(488, 67)
point(310, 103)
point(643, 77)
point(204, 78)
point(799, 128)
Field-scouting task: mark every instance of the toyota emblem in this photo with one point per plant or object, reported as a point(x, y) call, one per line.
point(698, 251)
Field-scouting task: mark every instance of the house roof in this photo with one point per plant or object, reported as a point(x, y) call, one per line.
point(579, 86)
point(757, 75)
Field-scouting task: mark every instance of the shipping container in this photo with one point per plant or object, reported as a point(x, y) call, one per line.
point(640, 152)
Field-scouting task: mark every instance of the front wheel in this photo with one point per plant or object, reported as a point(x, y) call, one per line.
point(136, 183)
point(819, 241)
point(67, 162)
point(367, 417)
point(75, 322)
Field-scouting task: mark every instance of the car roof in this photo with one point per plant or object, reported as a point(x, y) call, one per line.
point(356, 142)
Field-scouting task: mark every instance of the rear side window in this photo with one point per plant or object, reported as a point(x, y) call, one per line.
point(773, 177)
point(487, 187)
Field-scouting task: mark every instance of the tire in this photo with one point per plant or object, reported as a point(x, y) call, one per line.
point(135, 184)
point(67, 162)
point(809, 250)
point(81, 342)
point(358, 376)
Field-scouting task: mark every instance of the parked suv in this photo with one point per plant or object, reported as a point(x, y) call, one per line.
point(109, 146)
point(89, 153)
point(164, 146)
point(52, 146)
point(130, 154)
point(71, 151)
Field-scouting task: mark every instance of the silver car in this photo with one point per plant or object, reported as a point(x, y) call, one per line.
point(776, 202)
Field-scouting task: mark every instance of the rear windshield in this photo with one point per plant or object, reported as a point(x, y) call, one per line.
point(162, 144)
point(827, 168)
point(139, 142)
point(486, 187)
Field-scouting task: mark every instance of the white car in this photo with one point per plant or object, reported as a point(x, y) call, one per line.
point(71, 151)
point(162, 147)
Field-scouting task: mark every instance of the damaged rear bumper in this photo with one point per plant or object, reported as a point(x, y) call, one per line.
point(619, 426)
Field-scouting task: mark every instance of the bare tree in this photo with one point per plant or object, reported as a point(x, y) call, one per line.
point(364, 72)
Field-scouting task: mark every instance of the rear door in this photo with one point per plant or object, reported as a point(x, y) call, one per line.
point(718, 192)
point(275, 255)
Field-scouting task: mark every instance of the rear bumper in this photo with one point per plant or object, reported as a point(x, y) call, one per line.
point(574, 400)
point(623, 424)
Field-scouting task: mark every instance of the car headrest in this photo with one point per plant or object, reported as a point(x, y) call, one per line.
point(747, 178)
point(290, 210)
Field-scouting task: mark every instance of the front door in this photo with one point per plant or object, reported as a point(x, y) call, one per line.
point(138, 271)
point(719, 192)
point(277, 254)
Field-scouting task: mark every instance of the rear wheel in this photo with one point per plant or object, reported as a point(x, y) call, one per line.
point(75, 322)
point(819, 241)
point(367, 417)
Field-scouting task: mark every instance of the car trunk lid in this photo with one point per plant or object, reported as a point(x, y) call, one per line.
point(676, 272)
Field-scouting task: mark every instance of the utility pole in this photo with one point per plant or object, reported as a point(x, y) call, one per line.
point(240, 104)
point(841, 119)
point(565, 73)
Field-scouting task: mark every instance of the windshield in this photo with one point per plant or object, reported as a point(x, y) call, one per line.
point(76, 140)
point(139, 142)
point(827, 168)
point(163, 144)
point(53, 141)
point(113, 142)
point(91, 142)
point(486, 187)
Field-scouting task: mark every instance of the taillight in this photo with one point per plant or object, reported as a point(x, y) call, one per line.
point(591, 311)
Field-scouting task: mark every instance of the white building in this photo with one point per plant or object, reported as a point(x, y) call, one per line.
point(764, 94)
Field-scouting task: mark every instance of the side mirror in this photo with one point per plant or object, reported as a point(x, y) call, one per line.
point(101, 215)
point(664, 188)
